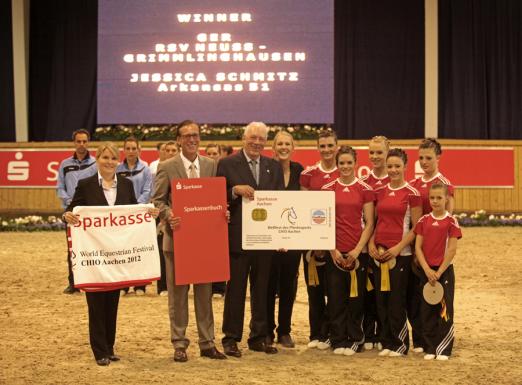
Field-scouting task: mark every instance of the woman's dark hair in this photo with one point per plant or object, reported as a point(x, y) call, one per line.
point(226, 149)
point(346, 150)
point(211, 145)
point(131, 139)
point(399, 153)
point(431, 143)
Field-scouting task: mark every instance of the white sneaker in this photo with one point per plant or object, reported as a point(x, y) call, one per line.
point(384, 352)
point(139, 292)
point(339, 351)
point(164, 293)
point(349, 352)
point(323, 345)
point(123, 293)
point(379, 346)
point(395, 354)
point(313, 343)
point(429, 356)
point(442, 357)
point(418, 350)
point(368, 346)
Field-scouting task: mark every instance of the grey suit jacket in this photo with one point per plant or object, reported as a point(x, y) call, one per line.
point(173, 169)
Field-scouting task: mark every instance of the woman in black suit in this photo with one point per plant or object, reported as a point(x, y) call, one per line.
point(104, 188)
point(285, 264)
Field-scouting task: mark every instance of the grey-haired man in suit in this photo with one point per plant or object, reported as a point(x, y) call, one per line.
point(187, 164)
point(246, 172)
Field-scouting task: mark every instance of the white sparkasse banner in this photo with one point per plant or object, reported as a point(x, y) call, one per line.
point(114, 247)
point(292, 220)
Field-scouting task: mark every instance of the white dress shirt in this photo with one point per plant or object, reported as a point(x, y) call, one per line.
point(110, 193)
point(187, 163)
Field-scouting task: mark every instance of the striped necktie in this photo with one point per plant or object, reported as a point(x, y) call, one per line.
point(253, 164)
point(192, 171)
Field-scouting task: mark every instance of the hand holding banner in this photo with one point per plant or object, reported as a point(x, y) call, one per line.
point(114, 247)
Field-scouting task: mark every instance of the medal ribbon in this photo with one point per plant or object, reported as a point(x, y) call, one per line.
point(443, 311)
point(354, 293)
point(385, 276)
point(369, 286)
point(313, 277)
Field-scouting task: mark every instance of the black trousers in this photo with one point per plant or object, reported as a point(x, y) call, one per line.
point(391, 306)
point(219, 287)
point(103, 311)
point(346, 314)
point(162, 283)
point(414, 300)
point(244, 266)
point(317, 311)
point(371, 320)
point(70, 276)
point(283, 280)
point(439, 332)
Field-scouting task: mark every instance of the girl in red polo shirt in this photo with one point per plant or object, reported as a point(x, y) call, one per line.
point(354, 217)
point(429, 156)
point(398, 208)
point(435, 247)
point(313, 178)
point(377, 152)
point(378, 177)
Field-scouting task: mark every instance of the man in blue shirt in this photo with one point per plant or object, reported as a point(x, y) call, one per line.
point(139, 173)
point(80, 165)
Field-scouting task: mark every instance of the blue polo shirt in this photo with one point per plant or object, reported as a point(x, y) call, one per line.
point(70, 172)
point(141, 179)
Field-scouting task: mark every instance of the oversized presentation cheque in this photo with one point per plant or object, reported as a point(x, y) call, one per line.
point(292, 220)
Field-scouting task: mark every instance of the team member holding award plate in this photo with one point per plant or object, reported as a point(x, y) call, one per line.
point(398, 207)
point(314, 178)
point(105, 188)
point(378, 177)
point(435, 247)
point(429, 155)
point(346, 269)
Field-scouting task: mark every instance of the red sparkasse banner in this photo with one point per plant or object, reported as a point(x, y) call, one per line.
point(39, 167)
point(201, 203)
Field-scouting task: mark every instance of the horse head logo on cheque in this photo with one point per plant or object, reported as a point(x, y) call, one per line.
point(290, 214)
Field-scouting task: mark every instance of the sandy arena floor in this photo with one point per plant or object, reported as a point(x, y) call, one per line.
point(44, 336)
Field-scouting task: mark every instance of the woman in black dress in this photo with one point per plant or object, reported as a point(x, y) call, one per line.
point(285, 264)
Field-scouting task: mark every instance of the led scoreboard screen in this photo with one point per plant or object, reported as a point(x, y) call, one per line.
point(215, 61)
